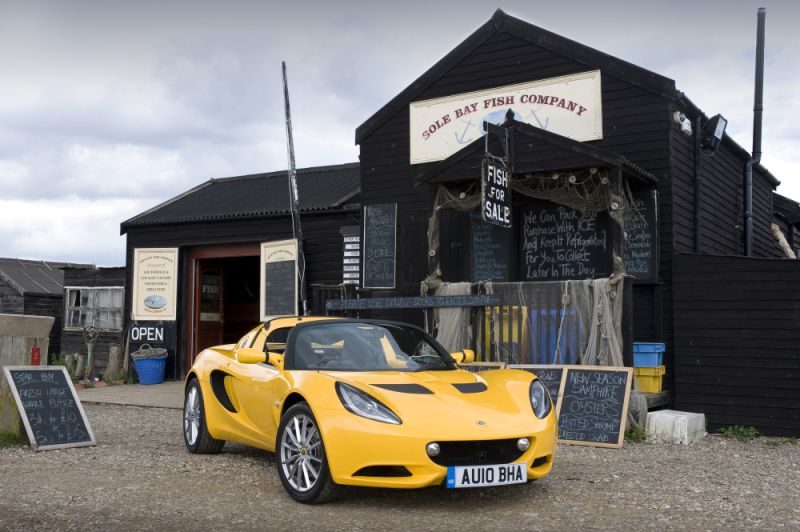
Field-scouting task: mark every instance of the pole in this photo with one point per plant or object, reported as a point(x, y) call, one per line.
point(294, 197)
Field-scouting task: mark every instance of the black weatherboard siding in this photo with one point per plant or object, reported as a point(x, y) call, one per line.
point(737, 341)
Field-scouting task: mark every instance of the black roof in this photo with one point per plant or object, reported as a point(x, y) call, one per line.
point(319, 188)
point(35, 276)
point(503, 23)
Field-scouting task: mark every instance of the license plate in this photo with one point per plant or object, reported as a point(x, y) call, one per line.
point(488, 475)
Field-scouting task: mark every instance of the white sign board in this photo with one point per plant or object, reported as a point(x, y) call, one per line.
point(567, 105)
point(279, 278)
point(155, 285)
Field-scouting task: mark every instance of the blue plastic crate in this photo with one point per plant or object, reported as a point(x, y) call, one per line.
point(646, 360)
point(648, 347)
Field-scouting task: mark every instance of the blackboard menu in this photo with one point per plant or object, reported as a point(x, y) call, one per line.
point(641, 240)
point(551, 377)
point(559, 243)
point(280, 282)
point(491, 249)
point(49, 407)
point(380, 233)
point(594, 406)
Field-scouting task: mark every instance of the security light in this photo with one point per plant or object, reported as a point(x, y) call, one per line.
point(712, 133)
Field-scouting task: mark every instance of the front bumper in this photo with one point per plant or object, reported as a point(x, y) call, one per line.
point(353, 444)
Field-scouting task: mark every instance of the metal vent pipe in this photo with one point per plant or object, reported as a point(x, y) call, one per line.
point(758, 109)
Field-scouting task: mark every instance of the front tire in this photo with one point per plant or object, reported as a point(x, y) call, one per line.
point(301, 460)
point(195, 431)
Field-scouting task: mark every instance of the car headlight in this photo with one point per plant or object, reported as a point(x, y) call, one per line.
point(540, 400)
point(364, 405)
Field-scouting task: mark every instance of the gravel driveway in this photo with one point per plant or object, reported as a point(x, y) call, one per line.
point(140, 477)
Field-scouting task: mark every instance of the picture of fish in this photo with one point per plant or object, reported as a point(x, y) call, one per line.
point(155, 302)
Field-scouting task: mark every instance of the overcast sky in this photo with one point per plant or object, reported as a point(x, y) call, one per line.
point(108, 108)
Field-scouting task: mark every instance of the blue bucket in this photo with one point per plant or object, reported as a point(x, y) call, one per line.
point(151, 370)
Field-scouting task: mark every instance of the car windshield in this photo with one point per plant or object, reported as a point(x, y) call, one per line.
point(353, 346)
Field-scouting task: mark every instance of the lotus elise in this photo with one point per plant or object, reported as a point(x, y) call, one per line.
point(367, 403)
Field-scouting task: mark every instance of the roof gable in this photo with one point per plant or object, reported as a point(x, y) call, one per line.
point(319, 188)
point(499, 23)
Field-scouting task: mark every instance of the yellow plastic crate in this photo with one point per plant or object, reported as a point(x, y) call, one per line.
point(649, 379)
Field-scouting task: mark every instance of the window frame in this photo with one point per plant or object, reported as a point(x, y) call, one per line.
point(93, 306)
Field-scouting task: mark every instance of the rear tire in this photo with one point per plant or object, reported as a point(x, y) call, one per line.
point(195, 431)
point(301, 459)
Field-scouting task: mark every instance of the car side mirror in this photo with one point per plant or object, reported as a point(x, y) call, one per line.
point(275, 359)
point(248, 355)
point(466, 356)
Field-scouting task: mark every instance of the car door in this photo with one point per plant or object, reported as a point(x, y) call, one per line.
point(254, 387)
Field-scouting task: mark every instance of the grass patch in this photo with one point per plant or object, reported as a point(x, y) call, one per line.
point(739, 432)
point(12, 439)
point(635, 434)
point(782, 441)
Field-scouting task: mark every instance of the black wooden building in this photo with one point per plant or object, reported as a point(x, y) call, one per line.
point(651, 132)
point(217, 228)
point(36, 288)
point(626, 135)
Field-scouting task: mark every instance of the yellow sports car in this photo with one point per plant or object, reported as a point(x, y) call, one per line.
point(367, 403)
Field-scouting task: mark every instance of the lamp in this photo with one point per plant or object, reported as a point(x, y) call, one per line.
point(712, 133)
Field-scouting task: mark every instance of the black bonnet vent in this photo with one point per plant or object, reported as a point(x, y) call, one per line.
point(471, 387)
point(404, 388)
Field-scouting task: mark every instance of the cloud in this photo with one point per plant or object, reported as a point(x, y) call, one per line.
point(117, 106)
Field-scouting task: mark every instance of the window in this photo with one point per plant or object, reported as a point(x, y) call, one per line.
point(96, 307)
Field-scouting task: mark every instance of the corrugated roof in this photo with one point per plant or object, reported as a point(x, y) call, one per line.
point(34, 276)
point(320, 187)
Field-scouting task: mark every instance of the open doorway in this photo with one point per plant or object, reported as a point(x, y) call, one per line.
point(227, 299)
point(224, 302)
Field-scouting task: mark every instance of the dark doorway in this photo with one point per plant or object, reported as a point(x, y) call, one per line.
point(226, 297)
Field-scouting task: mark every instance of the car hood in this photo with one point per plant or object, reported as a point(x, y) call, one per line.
point(455, 402)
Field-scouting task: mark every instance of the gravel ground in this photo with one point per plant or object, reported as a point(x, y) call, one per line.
point(140, 477)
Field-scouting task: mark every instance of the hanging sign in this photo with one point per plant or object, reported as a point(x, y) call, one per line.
point(567, 105)
point(278, 279)
point(495, 192)
point(155, 287)
point(351, 254)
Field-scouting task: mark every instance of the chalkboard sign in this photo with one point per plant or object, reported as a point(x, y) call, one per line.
point(559, 243)
point(280, 295)
point(491, 249)
point(594, 406)
point(641, 236)
point(380, 233)
point(495, 192)
point(551, 377)
point(50, 409)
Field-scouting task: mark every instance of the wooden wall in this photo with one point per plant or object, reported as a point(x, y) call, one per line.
point(72, 340)
point(721, 215)
point(737, 341)
point(11, 302)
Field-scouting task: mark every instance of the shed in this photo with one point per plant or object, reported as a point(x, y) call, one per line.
point(36, 288)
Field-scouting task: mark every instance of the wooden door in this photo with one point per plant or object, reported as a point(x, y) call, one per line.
point(210, 312)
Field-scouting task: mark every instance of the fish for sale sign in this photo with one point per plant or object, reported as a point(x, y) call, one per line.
point(495, 192)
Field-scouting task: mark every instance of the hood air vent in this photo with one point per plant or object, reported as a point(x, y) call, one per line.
point(471, 387)
point(404, 388)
